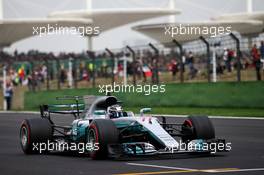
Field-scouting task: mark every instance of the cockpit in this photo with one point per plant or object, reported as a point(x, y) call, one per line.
point(105, 106)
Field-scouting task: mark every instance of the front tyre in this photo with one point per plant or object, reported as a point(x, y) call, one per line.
point(100, 134)
point(198, 127)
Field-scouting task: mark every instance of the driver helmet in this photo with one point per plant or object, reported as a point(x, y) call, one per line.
point(115, 111)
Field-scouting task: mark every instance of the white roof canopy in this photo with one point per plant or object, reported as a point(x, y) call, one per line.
point(12, 30)
point(241, 16)
point(108, 19)
point(157, 31)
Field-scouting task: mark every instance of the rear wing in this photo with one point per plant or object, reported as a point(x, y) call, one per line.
point(73, 108)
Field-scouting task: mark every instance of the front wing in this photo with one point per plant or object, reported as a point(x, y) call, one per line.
point(135, 149)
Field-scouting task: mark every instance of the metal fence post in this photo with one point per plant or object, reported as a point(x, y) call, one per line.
point(208, 58)
point(156, 70)
point(134, 64)
point(48, 80)
point(32, 65)
point(58, 73)
point(92, 56)
point(70, 63)
point(113, 64)
point(238, 56)
point(181, 56)
point(75, 80)
point(33, 79)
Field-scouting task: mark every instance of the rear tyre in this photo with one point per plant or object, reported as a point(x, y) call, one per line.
point(33, 132)
point(198, 127)
point(100, 133)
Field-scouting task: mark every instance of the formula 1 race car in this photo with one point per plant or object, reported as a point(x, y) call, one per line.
point(104, 129)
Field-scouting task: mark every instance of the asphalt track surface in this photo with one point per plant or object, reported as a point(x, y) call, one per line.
point(246, 157)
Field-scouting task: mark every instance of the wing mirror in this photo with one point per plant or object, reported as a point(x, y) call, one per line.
point(144, 110)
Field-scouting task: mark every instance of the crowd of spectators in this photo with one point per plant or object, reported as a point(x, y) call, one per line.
point(34, 68)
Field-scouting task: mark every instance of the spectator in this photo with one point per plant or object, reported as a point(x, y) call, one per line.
point(8, 95)
point(256, 60)
point(261, 49)
point(230, 56)
point(225, 58)
point(30, 83)
point(190, 62)
point(63, 75)
point(174, 69)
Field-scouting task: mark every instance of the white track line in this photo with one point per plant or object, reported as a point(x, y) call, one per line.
point(220, 117)
point(159, 166)
point(223, 170)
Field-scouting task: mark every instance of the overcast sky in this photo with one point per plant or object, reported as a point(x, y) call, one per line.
point(192, 10)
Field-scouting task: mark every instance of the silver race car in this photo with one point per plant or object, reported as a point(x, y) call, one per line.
point(104, 129)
